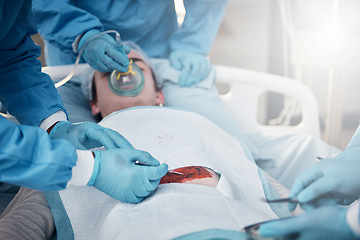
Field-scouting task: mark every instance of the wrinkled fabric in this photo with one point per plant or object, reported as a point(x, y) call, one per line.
point(286, 163)
point(178, 138)
point(150, 24)
point(28, 216)
point(27, 155)
point(27, 94)
point(202, 98)
point(29, 158)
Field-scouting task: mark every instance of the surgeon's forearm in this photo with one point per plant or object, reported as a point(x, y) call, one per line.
point(29, 158)
point(52, 119)
point(60, 22)
point(82, 171)
point(353, 218)
point(27, 93)
point(201, 24)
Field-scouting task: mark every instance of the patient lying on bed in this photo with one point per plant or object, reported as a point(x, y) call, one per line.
point(104, 102)
point(181, 139)
point(187, 142)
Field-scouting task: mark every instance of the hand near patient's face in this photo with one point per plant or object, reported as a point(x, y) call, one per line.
point(107, 102)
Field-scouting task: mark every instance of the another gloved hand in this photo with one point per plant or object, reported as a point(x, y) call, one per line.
point(103, 53)
point(88, 135)
point(336, 177)
point(193, 67)
point(122, 179)
point(327, 222)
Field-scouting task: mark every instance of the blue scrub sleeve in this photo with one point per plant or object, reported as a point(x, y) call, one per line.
point(29, 158)
point(60, 22)
point(28, 94)
point(200, 26)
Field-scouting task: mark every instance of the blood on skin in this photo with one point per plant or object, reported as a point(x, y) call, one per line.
point(189, 173)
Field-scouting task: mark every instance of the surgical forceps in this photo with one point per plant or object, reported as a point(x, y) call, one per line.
point(279, 200)
point(137, 162)
point(290, 200)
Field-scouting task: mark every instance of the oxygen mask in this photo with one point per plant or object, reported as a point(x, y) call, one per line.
point(128, 84)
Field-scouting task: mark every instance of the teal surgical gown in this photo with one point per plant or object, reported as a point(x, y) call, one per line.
point(152, 24)
point(27, 155)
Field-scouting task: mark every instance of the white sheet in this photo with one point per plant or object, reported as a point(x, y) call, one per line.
point(181, 139)
point(290, 153)
point(178, 138)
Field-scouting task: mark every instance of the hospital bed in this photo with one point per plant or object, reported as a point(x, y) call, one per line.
point(244, 90)
point(245, 87)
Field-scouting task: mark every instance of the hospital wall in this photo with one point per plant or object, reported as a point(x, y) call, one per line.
point(251, 37)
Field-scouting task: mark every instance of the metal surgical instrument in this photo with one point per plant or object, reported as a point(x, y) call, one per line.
point(279, 200)
point(137, 162)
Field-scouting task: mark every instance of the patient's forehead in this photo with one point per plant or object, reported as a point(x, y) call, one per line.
point(135, 55)
point(131, 55)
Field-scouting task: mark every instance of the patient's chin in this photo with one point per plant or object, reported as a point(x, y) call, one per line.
point(192, 175)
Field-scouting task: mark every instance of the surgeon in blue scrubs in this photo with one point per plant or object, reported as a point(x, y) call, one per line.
point(67, 25)
point(28, 156)
point(325, 190)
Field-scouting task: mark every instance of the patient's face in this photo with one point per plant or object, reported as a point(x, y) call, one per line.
point(107, 102)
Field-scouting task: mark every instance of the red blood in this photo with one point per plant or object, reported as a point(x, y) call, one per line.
point(189, 173)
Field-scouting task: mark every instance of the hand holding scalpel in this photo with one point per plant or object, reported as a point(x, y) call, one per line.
point(137, 162)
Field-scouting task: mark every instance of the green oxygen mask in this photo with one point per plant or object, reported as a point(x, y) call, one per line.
point(128, 84)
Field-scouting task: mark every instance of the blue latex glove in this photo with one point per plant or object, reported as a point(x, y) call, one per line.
point(88, 135)
point(336, 177)
point(122, 179)
point(103, 53)
point(327, 222)
point(193, 67)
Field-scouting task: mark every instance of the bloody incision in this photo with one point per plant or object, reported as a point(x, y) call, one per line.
point(189, 173)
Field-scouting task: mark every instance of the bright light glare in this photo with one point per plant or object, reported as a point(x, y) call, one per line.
point(327, 48)
point(180, 11)
point(331, 38)
point(325, 35)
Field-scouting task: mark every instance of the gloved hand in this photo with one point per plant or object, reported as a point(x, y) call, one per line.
point(88, 135)
point(193, 67)
point(122, 179)
point(327, 222)
point(103, 53)
point(336, 177)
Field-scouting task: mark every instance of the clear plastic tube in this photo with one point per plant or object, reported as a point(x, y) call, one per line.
point(71, 74)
